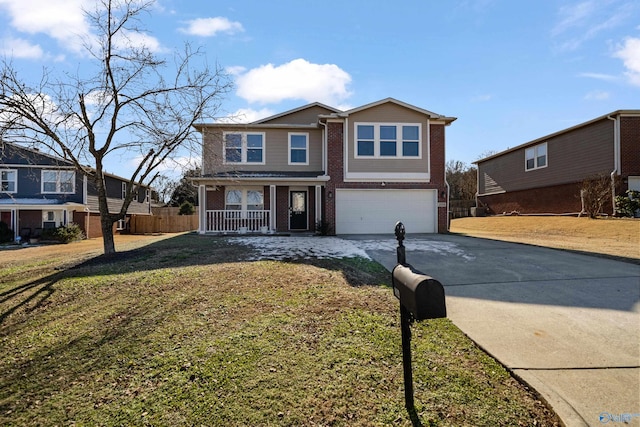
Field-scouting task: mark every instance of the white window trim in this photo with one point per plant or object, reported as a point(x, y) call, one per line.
point(244, 148)
point(535, 157)
point(15, 182)
point(58, 183)
point(306, 149)
point(376, 140)
point(244, 201)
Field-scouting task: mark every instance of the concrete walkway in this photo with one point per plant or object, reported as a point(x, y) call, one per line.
point(567, 324)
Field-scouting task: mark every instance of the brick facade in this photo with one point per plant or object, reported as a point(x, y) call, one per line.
point(335, 169)
point(558, 199)
point(629, 148)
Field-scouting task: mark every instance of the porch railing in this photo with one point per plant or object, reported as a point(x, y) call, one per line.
point(223, 221)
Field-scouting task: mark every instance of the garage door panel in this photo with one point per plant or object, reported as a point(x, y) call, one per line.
point(377, 211)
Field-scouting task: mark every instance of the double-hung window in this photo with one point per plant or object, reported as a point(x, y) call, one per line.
point(388, 140)
point(535, 157)
point(244, 199)
point(8, 180)
point(58, 181)
point(244, 147)
point(298, 148)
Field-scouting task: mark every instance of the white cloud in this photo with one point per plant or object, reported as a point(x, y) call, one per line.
point(629, 52)
point(482, 98)
point(246, 115)
point(20, 48)
point(207, 27)
point(599, 76)
point(298, 79)
point(65, 22)
point(597, 95)
point(583, 21)
point(62, 20)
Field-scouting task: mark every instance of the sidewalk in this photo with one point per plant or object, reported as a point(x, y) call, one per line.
point(566, 324)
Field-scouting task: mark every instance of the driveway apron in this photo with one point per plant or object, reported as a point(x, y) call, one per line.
point(567, 324)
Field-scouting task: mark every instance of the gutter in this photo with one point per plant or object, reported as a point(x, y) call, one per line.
point(616, 160)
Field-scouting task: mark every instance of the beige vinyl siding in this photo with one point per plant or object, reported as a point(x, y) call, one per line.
point(571, 157)
point(276, 154)
point(303, 117)
point(392, 114)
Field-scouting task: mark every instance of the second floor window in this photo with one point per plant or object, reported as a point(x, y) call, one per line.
point(58, 181)
point(243, 147)
point(536, 157)
point(387, 140)
point(8, 181)
point(298, 148)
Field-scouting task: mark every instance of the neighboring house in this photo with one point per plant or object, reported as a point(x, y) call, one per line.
point(39, 191)
point(356, 171)
point(545, 175)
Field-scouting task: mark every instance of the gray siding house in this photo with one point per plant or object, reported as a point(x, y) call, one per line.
point(545, 175)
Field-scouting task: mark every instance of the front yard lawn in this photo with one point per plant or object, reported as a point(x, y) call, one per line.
point(183, 332)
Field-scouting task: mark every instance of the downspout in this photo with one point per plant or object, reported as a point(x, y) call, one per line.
point(324, 147)
point(616, 160)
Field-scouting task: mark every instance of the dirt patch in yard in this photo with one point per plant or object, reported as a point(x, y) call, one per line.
point(615, 237)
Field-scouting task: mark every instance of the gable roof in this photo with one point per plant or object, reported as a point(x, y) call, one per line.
point(296, 110)
point(8, 148)
point(560, 132)
point(430, 114)
point(36, 154)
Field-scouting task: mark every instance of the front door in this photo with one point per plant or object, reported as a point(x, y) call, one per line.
point(298, 210)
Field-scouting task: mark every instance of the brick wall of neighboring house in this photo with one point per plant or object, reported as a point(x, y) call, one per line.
point(558, 199)
point(629, 148)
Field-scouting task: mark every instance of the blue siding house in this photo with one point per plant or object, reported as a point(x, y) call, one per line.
point(38, 191)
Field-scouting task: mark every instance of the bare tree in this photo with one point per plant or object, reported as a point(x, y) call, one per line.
point(462, 180)
point(595, 192)
point(125, 108)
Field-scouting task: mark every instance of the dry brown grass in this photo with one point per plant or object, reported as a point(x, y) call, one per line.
point(618, 237)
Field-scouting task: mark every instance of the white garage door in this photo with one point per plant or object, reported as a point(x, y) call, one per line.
point(377, 211)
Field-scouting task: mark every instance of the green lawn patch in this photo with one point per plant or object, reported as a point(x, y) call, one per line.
point(183, 332)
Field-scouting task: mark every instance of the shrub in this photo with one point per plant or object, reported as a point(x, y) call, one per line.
point(323, 228)
point(186, 209)
point(64, 234)
point(6, 234)
point(629, 204)
point(595, 192)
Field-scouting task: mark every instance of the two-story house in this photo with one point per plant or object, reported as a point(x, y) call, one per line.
point(357, 171)
point(39, 191)
point(545, 175)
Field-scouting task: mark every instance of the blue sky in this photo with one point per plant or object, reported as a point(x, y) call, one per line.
point(510, 71)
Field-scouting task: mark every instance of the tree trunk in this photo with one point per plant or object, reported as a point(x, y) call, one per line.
point(107, 235)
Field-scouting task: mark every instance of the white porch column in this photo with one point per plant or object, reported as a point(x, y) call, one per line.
point(318, 203)
point(202, 209)
point(272, 207)
point(14, 223)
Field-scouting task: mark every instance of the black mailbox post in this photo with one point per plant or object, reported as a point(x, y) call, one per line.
point(421, 297)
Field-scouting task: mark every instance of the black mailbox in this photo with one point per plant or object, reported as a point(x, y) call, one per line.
point(420, 294)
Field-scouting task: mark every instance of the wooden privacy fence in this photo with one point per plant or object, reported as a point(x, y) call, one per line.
point(461, 208)
point(141, 224)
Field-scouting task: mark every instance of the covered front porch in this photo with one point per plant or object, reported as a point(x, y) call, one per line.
point(28, 217)
point(259, 207)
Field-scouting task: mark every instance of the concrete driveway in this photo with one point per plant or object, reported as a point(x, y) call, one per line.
point(567, 324)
